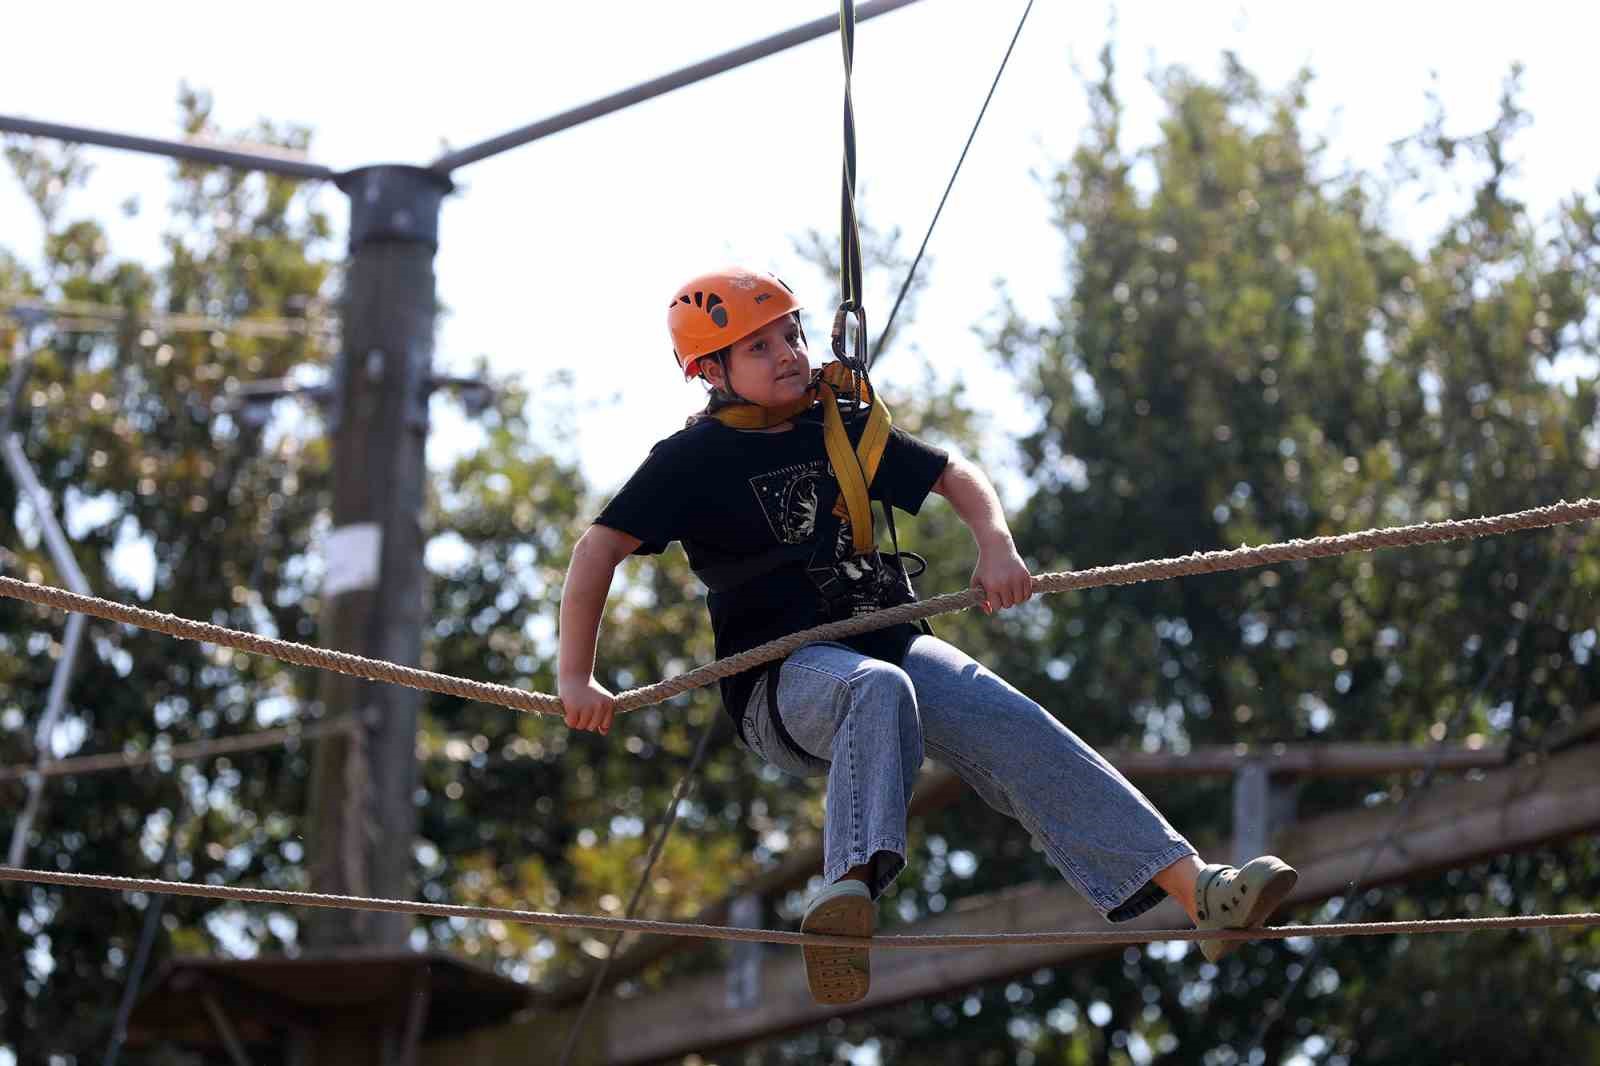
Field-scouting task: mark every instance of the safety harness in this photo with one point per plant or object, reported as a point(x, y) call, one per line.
point(854, 469)
point(843, 379)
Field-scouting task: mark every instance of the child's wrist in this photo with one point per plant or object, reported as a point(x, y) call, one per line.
point(995, 539)
point(567, 682)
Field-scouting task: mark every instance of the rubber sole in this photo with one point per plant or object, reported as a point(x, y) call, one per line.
point(1279, 884)
point(1269, 896)
point(839, 976)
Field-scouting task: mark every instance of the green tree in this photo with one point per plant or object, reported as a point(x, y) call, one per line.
point(1250, 351)
point(130, 417)
point(126, 416)
point(1253, 349)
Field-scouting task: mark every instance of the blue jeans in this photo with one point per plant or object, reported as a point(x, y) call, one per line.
point(866, 723)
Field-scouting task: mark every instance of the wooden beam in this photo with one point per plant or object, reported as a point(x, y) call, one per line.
point(1510, 810)
point(200, 749)
point(1309, 760)
point(941, 786)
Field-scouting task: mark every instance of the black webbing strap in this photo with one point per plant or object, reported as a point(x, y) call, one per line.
point(723, 577)
point(852, 299)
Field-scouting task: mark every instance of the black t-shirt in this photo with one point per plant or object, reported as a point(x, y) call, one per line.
point(732, 496)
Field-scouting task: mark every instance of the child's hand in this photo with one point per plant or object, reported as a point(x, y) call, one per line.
point(1003, 578)
point(589, 705)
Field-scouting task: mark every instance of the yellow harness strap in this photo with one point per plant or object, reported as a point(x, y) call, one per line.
point(853, 468)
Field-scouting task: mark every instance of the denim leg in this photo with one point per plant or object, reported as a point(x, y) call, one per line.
point(856, 718)
point(1096, 828)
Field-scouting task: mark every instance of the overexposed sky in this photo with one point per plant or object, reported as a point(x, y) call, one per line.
point(565, 253)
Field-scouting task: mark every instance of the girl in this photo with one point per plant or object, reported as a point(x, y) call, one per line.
point(768, 490)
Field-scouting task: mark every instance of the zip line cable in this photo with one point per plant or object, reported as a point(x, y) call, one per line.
point(905, 286)
point(84, 316)
point(851, 290)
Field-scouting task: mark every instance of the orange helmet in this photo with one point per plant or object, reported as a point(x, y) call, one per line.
point(714, 310)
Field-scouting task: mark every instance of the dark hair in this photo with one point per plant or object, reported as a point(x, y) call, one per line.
point(719, 396)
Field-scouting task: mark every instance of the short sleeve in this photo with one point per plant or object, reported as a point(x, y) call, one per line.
point(657, 504)
point(908, 471)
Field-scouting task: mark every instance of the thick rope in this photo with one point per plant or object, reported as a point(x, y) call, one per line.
point(539, 703)
point(780, 936)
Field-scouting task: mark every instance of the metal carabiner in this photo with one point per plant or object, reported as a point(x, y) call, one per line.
point(858, 361)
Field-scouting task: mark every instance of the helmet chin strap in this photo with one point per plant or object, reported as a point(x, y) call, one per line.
point(726, 388)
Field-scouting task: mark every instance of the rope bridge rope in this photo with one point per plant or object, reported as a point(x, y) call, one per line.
point(779, 936)
point(1212, 562)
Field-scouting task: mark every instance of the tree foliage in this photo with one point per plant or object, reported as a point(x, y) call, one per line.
point(1249, 348)
point(1253, 350)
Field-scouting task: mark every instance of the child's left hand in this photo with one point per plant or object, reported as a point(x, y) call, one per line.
point(1003, 578)
point(589, 704)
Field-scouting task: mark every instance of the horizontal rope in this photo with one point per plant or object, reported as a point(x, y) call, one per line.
point(85, 316)
point(539, 703)
point(199, 749)
point(779, 936)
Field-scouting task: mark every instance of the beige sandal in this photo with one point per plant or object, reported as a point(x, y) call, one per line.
point(1239, 898)
point(839, 975)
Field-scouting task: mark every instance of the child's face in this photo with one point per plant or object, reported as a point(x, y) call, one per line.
point(770, 367)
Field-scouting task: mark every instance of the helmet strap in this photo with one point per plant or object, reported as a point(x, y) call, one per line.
point(725, 392)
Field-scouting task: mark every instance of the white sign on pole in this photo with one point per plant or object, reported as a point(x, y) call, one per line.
point(352, 554)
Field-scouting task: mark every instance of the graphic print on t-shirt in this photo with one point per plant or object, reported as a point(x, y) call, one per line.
point(788, 497)
point(792, 498)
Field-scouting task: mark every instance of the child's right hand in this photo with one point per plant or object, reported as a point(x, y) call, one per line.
point(590, 706)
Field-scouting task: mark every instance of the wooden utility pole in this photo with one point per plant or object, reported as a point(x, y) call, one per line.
point(363, 781)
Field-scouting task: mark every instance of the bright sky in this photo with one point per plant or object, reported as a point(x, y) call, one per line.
point(564, 254)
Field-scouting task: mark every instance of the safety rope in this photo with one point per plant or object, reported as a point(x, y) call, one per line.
point(1213, 562)
point(668, 819)
point(780, 936)
point(854, 467)
point(852, 297)
point(905, 285)
point(147, 939)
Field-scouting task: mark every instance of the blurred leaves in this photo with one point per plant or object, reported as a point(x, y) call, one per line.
point(1253, 348)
